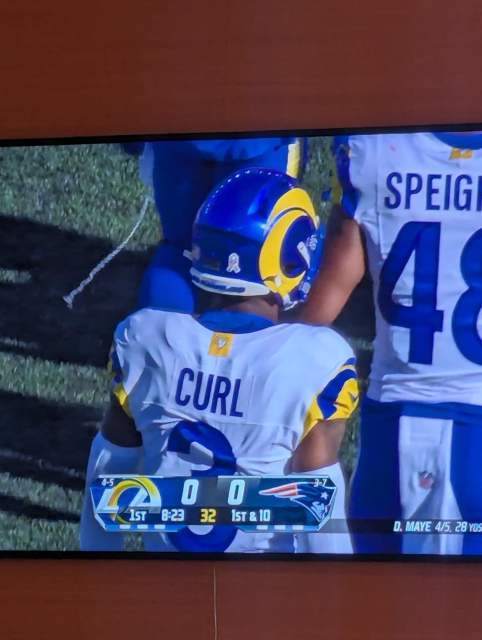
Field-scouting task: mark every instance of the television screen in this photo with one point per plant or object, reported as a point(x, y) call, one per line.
point(259, 345)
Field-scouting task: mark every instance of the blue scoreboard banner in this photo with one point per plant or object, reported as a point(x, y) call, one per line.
point(269, 503)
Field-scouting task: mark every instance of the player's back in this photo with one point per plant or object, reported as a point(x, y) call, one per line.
point(241, 400)
point(418, 199)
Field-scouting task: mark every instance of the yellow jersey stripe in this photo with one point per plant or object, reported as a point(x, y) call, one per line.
point(337, 401)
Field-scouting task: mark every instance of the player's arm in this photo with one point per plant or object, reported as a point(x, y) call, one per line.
point(343, 264)
point(116, 449)
point(119, 428)
point(342, 269)
point(325, 421)
point(318, 452)
point(320, 448)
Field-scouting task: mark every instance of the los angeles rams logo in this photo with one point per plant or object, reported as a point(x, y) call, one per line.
point(129, 492)
point(221, 342)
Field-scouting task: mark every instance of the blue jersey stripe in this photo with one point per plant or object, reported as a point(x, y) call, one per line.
point(327, 399)
point(458, 141)
point(349, 195)
point(457, 411)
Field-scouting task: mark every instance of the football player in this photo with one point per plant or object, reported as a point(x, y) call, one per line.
point(182, 175)
point(408, 207)
point(230, 391)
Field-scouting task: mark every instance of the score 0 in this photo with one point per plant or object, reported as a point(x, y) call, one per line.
point(237, 489)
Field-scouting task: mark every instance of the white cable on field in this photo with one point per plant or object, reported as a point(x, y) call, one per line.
point(69, 299)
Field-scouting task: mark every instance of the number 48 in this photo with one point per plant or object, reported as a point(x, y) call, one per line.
point(423, 319)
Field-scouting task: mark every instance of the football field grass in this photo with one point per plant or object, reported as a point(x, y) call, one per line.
point(62, 209)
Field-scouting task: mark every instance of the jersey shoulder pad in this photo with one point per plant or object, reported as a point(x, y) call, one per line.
point(140, 326)
point(320, 345)
point(337, 393)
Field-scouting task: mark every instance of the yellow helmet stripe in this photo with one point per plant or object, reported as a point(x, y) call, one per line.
point(269, 259)
point(296, 198)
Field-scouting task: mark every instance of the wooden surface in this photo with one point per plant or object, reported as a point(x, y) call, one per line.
point(90, 67)
point(95, 67)
point(171, 600)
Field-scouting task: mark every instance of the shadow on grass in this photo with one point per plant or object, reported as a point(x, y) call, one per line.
point(46, 441)
point(39, 264)
point(19, 507)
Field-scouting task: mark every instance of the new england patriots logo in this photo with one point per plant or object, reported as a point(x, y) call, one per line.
point(316, 498)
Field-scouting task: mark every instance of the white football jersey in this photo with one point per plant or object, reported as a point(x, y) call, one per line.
point(419, 202)
point(231, 403)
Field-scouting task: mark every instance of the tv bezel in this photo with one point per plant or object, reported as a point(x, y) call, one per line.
point(223, 556)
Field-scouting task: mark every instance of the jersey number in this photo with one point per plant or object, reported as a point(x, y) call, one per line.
point(180, 440)
point(423, 318)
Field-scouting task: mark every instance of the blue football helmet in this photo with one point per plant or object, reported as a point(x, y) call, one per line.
point(257, 233)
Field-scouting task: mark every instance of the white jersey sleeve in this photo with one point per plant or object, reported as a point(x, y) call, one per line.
point(337, 397)
point(131, 362)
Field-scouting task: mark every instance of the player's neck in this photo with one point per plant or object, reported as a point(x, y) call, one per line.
point(266, 307)
point(256, 306)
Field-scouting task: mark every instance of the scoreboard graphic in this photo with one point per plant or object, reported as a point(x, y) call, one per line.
point(268, 503)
